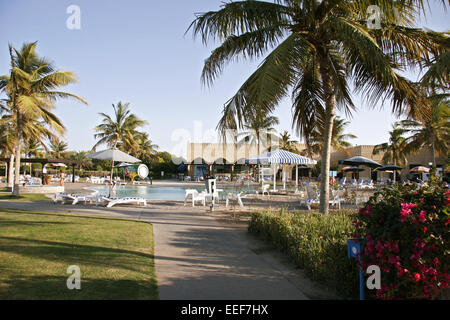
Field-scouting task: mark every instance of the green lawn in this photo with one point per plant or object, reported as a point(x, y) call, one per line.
point(115, 257)
point(23, 197)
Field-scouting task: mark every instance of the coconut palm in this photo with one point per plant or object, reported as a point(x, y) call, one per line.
point(431, 133)
point(32, 89)
point(81, 159)
point(7, 146)
point(314, 48)
point(393, 151)
point(339, 139)
point(122, 127)
point(259, 130)
point(286, 143)
point(58, 148)
point(33, 148)
point(144, 148)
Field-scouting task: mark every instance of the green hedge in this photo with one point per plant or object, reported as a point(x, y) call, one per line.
point(316, 243)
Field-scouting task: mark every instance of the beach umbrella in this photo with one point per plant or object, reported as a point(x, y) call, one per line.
point(61, 165)
point(389, 167)
point(280, 157)
point(353, 169)
point(360, 161)
point(420, 169)
point(123, 165)
point(114, 155)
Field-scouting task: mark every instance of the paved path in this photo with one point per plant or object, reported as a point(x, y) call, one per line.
point(198, 257)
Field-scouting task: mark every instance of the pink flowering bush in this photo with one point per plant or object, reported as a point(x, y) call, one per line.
point(406, 232)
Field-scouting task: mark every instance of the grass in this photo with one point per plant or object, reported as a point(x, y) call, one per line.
point(115, 257)
point(24, 197)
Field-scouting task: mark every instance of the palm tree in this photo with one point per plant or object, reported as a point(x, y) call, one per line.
point(317, 47)
point(121, 128)
point(339, 139)
point(58, 148)
point(433, 133)
point(7, 146)
point(394, 150)
point(259, 130)
point(33, 148)
point(144, 148)
point(287, 144)
point(81, 159)
point(32, 92)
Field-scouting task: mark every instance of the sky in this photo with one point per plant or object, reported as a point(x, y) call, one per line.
point(137, 51)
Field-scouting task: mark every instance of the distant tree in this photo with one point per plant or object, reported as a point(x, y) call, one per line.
point(286, 143)
point(394, 150)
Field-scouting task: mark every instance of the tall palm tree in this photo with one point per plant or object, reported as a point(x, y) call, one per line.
point(286, 143)
point(122, 127)
point(433, 133)
point(32, 89)
point(339, 139)
point(144, 148)
point(394, 150)
point(33, 148)
point(7, 146)
point(58, 148)
point(314, 48)
point(259, 130)
point(81, 159)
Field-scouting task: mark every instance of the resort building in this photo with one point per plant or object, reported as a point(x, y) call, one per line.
point(227, 159)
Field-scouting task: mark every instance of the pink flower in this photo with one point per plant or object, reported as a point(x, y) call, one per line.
point(417, 277)
point(423, 216)
point(406, 210)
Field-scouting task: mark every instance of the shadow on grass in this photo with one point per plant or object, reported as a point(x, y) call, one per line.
point(69, 253)
point(55, 288)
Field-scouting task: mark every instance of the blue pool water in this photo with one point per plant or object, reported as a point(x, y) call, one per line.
point(160, 193)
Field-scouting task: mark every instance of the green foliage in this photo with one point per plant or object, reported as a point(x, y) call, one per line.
point(315, 242)
point(406, 233)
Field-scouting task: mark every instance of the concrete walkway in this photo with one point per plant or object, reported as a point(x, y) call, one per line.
point(198, 257)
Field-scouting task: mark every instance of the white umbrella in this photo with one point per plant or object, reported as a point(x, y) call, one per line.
point(113, 155)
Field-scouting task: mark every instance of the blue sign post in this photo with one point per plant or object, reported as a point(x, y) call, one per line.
point(354, 251)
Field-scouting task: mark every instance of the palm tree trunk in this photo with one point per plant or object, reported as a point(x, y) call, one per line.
point(11, 172)
point(326, 152)
point(16, 191)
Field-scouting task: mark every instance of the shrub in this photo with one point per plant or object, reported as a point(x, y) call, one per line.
point(316, 243)
point(405, 232)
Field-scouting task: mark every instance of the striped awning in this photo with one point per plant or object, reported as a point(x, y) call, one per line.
point(280, 157)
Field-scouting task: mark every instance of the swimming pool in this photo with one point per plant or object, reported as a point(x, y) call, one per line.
point(163, 193)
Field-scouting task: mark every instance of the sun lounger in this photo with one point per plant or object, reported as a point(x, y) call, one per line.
point(128, 200)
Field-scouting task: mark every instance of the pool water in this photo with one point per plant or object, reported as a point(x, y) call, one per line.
point(162, 193)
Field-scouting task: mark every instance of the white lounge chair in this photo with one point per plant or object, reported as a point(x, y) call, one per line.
point(195, 196)
point(312, 197)
point(128, 200)
point(264, 189)
point(234, 197)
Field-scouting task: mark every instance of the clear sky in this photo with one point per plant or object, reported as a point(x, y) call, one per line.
point(136, 51)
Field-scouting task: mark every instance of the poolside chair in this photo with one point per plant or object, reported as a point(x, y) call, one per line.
point(368, 185)
point(234, 197)
point(312, 197)
point(195, 196)
point(60, 197)
point(128, 200)
point(343, 181)
point(264, 189)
